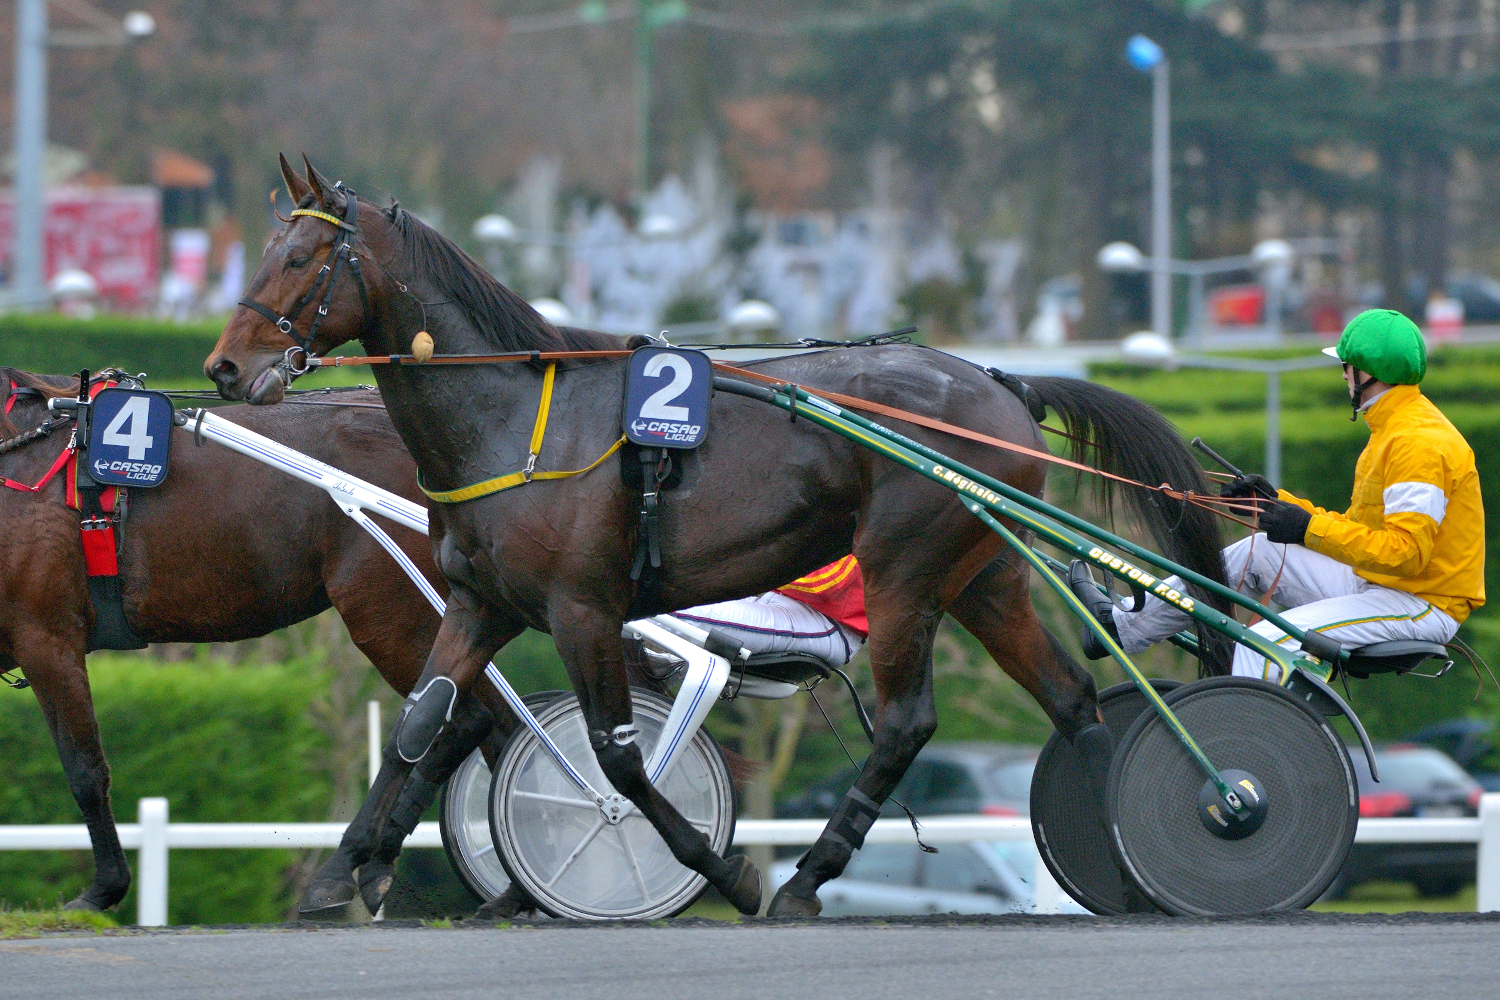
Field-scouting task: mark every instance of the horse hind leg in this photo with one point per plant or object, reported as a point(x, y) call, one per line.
point(996, 609)
point(901, 659)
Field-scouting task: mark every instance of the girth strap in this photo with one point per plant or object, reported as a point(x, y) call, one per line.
point(526, 475)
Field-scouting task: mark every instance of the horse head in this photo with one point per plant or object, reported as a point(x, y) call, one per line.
point(315, 289)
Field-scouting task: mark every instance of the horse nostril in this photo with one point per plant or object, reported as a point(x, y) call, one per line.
point(225, 372)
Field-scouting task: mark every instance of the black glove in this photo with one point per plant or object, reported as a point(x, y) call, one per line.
point(1285, 523)
point(1249, 486)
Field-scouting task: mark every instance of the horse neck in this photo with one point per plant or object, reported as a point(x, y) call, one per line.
point(462, 423)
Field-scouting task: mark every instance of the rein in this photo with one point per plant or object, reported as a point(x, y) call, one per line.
point(1211, 503)
point(287, 370)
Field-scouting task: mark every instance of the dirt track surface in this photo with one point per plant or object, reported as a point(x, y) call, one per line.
point(1302, 955)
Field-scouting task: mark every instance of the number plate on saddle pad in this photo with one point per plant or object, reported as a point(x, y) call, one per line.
point(130, 436)
point(666, 397)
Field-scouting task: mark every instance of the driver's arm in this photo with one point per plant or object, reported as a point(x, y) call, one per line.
point(1415, 501)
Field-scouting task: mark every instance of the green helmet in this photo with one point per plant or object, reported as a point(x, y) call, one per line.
point(1385, 344)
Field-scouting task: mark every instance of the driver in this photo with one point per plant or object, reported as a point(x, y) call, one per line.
point(1405, 561)
point(822, 613)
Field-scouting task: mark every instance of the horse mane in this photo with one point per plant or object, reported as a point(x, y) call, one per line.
point(49, 386)
point(504, 319)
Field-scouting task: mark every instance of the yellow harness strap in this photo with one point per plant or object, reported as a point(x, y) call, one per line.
point(527, 474)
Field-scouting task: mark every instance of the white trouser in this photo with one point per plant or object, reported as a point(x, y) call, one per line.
point(775, 623)
point(1320, 593)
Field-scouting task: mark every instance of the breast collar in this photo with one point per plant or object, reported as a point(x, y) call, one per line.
point(288, 367)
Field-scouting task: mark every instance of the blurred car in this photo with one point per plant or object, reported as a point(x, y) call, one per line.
point(975, 877)
point(989, 778)
point(1469, 742)
point(1479, 293)
point(1414, 781)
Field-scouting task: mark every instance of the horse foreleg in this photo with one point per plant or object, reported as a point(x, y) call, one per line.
point(590, 647)
point(470, 724)
point(470, 634)
point(55, 667)
point(901, 639)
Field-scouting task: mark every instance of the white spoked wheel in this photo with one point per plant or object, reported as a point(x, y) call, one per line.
point(464, 819)
point(558, 845)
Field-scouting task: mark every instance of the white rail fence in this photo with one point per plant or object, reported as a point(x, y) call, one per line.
point(154, 837)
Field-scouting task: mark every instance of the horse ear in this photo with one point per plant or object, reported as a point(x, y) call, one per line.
point(321, 188)
point(295, 186)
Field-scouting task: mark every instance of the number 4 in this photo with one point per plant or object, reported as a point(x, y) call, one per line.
point(135, 410)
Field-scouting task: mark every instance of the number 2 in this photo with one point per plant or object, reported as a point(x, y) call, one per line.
point(135, 410)
point(682, 377)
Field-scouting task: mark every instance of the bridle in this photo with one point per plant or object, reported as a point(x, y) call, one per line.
point(288, 368)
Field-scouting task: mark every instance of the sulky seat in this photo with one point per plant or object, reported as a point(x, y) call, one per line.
point(774, 675)
point(1398, 656)
point(787, 667)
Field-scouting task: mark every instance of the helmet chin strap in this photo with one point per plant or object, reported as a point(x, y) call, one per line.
point(1356, 394)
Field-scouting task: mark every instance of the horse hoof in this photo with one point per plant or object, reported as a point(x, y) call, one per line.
point(744, 892)
point(513, 902)
point(375, 879)
point(321, 897)
point(84, 903)
point(787, 905)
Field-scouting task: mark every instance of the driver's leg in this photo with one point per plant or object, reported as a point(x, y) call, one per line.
point(775, 623)
point(1287, 575)
point(1376, 614)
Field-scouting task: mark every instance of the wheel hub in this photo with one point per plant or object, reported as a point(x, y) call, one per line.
point(615, 808)
point(1224, 822)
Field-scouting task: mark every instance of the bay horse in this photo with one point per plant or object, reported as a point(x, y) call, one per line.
point(763, 500)
point(225, 549)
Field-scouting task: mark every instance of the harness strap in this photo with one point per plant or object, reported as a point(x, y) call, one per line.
point(57, 466)
point(10, 396)
point(526, 475)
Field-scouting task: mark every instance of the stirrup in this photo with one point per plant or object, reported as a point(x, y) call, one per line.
point(1081, 580)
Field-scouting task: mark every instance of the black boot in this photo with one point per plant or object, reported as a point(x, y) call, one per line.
point(1081, 580)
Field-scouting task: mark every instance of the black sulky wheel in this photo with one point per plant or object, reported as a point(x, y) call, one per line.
point(1065, 815)
point(1170, 827)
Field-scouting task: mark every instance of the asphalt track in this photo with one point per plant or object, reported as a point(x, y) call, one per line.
point(1300, 955)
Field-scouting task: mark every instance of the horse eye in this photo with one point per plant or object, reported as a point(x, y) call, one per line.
point(298, 261)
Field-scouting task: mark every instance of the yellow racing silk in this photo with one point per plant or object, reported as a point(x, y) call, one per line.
point(1415, 522)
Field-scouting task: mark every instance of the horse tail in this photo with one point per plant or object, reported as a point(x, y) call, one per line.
point(1120, 434)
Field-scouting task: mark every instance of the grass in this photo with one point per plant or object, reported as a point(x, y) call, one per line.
point(1398, 897)
point(32, 923)
point(713, 907)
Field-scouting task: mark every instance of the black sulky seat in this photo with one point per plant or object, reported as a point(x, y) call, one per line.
point(1398, 656)
point(786, 668)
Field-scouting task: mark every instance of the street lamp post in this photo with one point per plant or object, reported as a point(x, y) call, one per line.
point(27, 288)
point(1161, 353)
point(1271, 259)
point(1148, 57)
point(30, 151)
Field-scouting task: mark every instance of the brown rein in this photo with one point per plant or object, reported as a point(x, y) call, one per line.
point(1207, 502)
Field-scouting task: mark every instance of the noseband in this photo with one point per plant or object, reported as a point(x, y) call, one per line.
point(288, 369)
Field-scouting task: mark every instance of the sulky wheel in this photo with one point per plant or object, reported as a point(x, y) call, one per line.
point(557, 845)
point(464, 820)
point(1065, 820)
point(1299, 782)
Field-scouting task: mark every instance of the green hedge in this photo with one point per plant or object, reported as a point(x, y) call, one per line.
point(44, 342)
point(222, 744)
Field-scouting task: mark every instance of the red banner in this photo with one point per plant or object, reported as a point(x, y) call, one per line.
point(113, 233)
